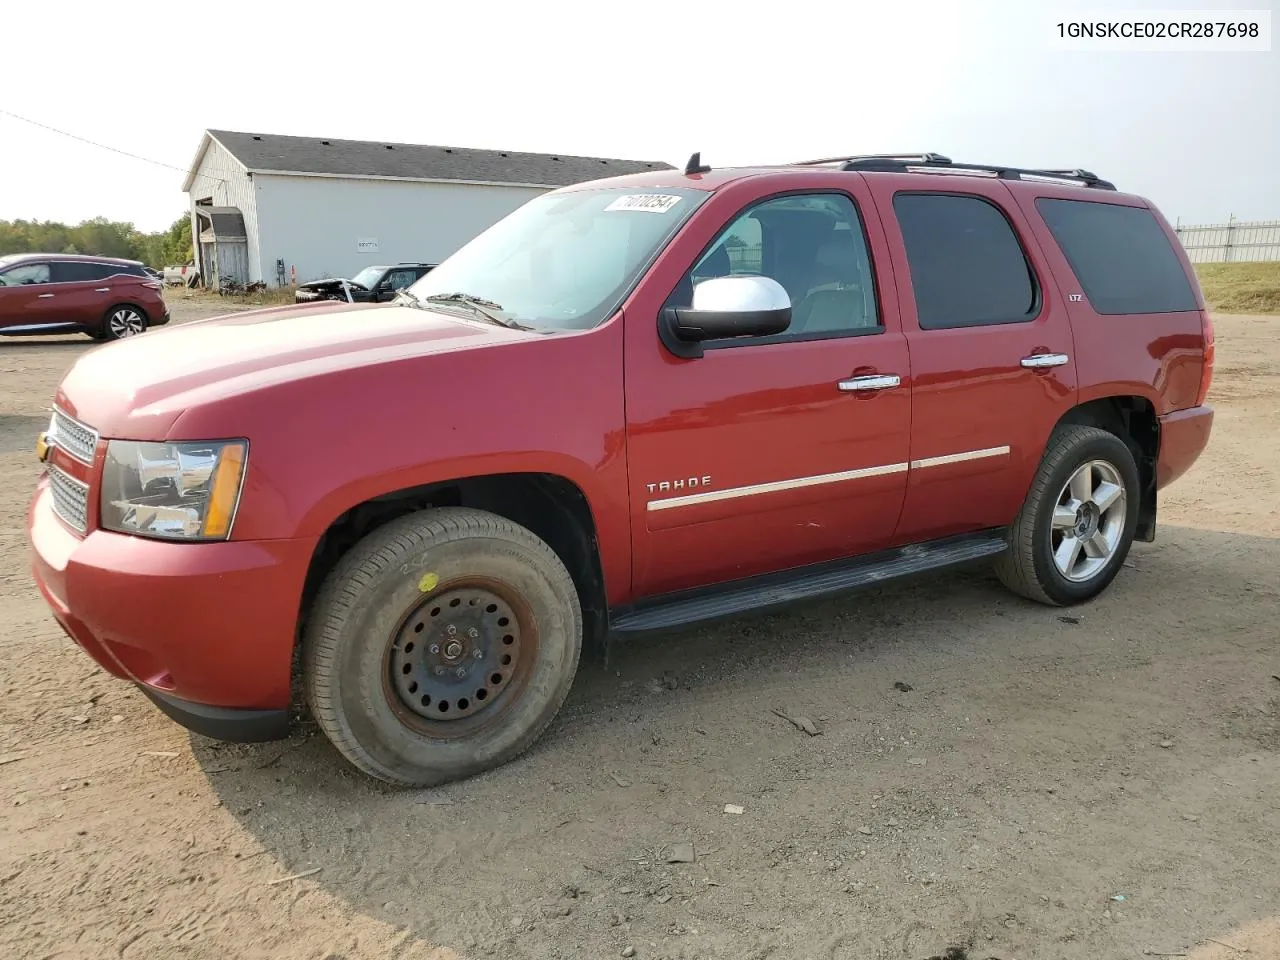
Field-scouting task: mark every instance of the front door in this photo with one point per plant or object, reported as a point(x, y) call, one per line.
point(770, 453)
point(991, 351)
point(27, 298)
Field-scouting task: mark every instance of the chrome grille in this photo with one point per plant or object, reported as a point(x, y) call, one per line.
point(74, 437)
point(70, 499)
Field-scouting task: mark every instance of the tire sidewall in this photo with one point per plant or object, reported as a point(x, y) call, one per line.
point(358, 682)
point(1113, 450)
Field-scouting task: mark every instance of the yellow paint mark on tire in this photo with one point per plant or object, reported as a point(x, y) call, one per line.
point(428, 582)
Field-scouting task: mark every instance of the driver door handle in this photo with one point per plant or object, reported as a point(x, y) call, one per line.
point(102, 290)
point(45, 296)
point(876, 381)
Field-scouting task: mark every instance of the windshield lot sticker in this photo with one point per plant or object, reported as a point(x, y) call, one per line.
point(645, 202)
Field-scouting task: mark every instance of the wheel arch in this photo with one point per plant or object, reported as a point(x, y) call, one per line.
point(1132, 418)
point(551, 506)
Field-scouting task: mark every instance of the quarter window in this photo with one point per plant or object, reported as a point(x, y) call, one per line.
point(1120, 255)
point(814, 246)
point(967, 267)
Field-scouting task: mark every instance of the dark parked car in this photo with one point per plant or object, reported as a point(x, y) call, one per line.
point(370, 285)
point(50, 293)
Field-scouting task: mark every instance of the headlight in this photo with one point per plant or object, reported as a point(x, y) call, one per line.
point(178, 491)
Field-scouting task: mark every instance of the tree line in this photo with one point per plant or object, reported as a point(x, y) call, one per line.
point(99, 237)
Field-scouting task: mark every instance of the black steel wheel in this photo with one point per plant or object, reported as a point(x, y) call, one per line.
point(441, 646)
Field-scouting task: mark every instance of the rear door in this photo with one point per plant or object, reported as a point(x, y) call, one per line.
point(992, 355)
point(85, 289)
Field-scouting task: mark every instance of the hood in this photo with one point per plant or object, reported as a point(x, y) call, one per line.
point(329, 283)
point(137, 388)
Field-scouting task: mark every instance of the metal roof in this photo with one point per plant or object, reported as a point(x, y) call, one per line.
point(271, 153)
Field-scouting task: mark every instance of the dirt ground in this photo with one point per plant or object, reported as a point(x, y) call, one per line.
point(1047, 788)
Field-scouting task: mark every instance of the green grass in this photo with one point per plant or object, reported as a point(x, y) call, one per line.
point(1241, 287)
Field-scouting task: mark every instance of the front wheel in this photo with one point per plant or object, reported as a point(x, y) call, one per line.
point(1077, 524)
point(442, 645)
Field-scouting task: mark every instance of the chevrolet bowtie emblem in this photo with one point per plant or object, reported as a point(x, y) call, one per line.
point(42, 447)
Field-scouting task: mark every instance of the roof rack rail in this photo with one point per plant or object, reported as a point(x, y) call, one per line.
point(901, 157)
point(937, 163)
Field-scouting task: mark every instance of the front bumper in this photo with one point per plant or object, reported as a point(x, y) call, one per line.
point(206, 629)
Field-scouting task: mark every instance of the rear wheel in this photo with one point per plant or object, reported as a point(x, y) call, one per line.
point(122, 321)
point(441, 645)
point(1077, 524)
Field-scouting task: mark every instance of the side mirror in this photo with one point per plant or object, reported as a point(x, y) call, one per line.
point(725, 307)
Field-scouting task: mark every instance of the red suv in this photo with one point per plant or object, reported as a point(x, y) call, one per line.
point(633, 404)
point(51, 293)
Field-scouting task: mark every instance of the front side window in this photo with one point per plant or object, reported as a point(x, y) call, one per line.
point(1120, 255)
point(967, 267)
point(401, 278)
point(564, 261)
point(814, 246)
point(26, 273)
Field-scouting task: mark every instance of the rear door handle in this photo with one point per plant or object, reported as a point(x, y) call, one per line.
point(1040, 360)
point(876, 381)
point(102, 290)
point(45, 296)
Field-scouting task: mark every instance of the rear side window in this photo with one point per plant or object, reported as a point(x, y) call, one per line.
point(78, 271)
point(967, 267)
point(1120, 255)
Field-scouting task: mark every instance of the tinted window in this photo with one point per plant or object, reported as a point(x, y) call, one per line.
point(74, 271)
point(814, 246)
point(1120, 255)
point(967, 266)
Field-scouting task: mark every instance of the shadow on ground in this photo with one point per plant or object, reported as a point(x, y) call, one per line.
point(1089, 783)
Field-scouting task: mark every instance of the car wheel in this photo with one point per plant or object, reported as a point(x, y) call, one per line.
point(441, 645)
point(122, 321)
point(1077, 524)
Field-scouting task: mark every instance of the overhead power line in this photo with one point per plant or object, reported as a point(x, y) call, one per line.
point(92, 143)
point(102, 146)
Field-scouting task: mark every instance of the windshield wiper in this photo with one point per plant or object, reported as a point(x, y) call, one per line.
point(478, 305)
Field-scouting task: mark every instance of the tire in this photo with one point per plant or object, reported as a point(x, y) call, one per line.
point(1102, 537)
point(122, 321)
point(373, 649)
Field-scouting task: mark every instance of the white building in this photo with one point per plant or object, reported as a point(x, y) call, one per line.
point(276, 209)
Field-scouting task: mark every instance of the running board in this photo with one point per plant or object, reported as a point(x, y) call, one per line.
point(806, 583)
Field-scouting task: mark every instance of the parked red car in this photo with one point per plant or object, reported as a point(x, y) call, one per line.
point(633, 404)
point(51, 293)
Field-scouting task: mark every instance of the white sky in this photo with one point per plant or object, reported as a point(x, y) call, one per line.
point(743, 82)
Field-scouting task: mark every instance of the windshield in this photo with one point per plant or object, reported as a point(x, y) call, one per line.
point(564, 261)
point(368, 276)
